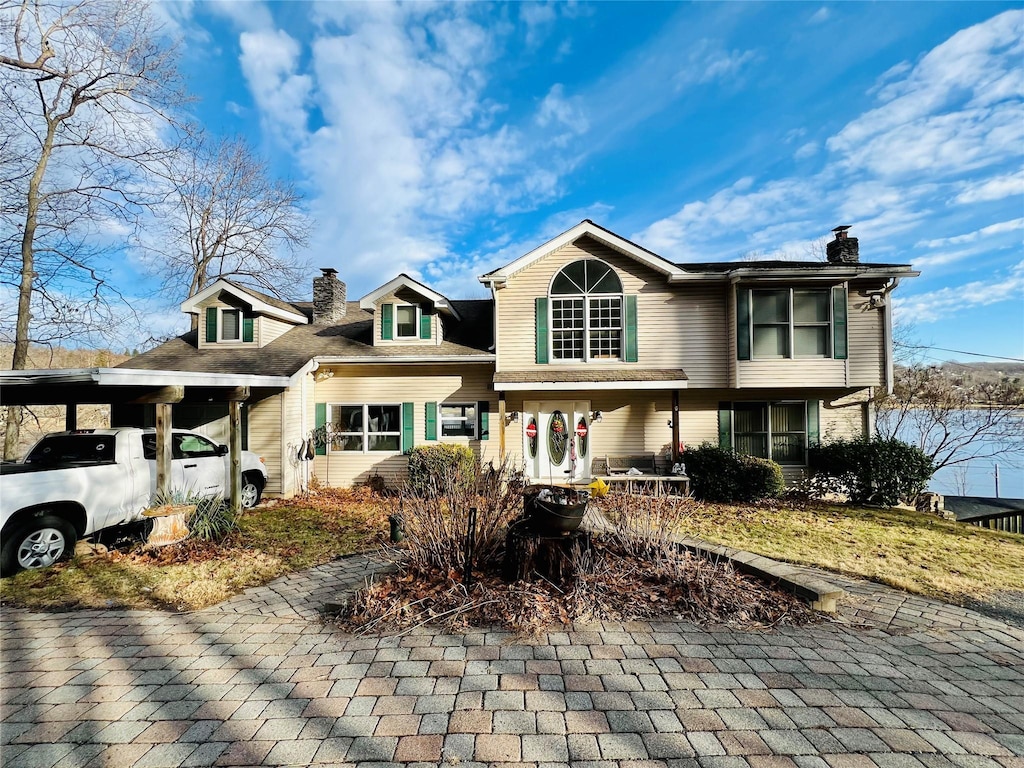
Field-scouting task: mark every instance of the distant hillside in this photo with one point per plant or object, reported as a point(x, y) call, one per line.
point(50, 418)
point(968, 374)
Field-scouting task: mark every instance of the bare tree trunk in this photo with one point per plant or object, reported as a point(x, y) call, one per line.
point(19, 360)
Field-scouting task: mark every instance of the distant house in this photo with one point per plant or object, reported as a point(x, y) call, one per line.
point(589, 346)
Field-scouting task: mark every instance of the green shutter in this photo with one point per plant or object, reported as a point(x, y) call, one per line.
point(483, 413)
point(246, 329)
point(211, 325)
point(840, 345)
point(431, 428)
point(542, 330)
point(813, 422)
point(725, 426)
point(321, 422)
point(742, 324)
point(629, 352)
point(407, 423)
point(387, 321)
point(425, 324)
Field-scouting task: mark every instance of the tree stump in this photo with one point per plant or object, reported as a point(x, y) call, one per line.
point(557, 558)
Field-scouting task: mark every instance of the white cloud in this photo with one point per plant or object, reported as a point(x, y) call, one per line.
point(820, 16)
point(956, 109)
point(996, 188)
point(810, 149)
point(558, 110)
point(709, 61)
point(949, 302)
point(725, 64)
point(270, 61)
point(887, 170)
point(978, 234)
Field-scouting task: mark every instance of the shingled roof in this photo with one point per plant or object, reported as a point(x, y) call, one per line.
point(350, 339)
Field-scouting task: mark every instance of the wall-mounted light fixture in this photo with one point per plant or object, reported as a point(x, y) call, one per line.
point(513, 417)
point(597, 416)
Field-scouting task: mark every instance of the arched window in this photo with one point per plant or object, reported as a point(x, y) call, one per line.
point(586, 312)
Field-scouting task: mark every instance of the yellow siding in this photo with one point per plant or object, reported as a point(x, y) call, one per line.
point(792, 373)
point(290, 437)
point(678, 326)
point(419, 384)
point(867, 343)
point(844, 417)
point(264, 437)
point(267, 329)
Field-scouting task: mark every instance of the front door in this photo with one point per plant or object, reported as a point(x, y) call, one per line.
point(556, 441)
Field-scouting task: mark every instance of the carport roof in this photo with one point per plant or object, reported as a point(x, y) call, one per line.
point(105, 385)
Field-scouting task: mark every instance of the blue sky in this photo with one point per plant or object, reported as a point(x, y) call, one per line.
point(445, 140)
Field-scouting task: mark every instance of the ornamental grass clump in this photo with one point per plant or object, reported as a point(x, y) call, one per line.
point(435, 525)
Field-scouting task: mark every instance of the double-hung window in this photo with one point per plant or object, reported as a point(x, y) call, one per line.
point(790, 322)
point(776, 431)
point(230, 325)
point(458, 420)
point(586, 312)
point(366, 428)
point(406, 321)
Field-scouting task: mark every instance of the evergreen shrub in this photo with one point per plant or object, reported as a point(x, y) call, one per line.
point(871, 471)
point(436, 470)
point(720, 475)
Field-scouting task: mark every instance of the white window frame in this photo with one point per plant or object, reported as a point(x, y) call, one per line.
point(473, 422)
point(792, 355)
point(586, 298)
point(221, 311)
point(415, 323)
point(767, 404)
point(365, 433)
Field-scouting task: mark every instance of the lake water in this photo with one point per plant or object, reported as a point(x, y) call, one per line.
point(977, 477)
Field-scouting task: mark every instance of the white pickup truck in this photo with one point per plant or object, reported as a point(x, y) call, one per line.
point(72, 484)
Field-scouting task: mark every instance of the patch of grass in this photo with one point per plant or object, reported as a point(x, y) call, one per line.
point(271, 540)
point(913, 551)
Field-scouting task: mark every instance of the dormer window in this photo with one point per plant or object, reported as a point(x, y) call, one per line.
point(586, 312)
point(230, 325)
point(407, 325)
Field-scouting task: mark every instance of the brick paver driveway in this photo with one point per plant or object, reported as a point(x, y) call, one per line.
point(259, 680)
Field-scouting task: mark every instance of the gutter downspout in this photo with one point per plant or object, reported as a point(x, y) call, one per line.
point(887, 330)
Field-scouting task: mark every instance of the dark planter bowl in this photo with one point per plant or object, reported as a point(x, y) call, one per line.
point(548, 517)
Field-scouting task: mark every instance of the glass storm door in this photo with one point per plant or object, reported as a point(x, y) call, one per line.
point(556, 441)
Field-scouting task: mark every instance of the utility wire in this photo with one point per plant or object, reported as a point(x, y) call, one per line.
point(962, 352)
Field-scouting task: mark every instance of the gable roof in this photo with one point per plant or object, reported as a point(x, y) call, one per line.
point(260, 302)
point(351, 340)
point(587, 228)
point(404, 281)
point(677, 272)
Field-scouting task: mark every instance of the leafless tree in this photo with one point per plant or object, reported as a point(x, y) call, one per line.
point(227, 217)
point(87, 90)
point(954, 422)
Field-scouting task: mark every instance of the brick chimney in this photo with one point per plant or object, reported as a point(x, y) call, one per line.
point(843, 250)
point(328, 298)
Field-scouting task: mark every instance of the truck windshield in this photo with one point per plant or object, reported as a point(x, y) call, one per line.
point(73, 449)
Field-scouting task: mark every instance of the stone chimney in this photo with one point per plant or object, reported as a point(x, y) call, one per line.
point(328, 298)
point(843, 250)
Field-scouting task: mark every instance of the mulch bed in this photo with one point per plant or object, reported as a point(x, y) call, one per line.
point(618, 587)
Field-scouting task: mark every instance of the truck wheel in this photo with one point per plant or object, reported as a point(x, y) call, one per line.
point(38, 543)
point(252, 489)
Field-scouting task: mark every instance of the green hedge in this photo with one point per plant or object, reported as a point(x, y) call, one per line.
point(720, 475)
point(871, 471)
point(436, 469)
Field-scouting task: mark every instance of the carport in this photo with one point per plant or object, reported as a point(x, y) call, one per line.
point(131, 386)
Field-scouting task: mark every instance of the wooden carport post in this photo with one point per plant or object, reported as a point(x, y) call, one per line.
point(163, 398)
point(235, 397)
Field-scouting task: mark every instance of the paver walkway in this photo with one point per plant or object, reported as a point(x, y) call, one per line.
point(895, 683)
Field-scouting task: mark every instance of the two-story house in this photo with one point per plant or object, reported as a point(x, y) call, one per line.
point(589, 346)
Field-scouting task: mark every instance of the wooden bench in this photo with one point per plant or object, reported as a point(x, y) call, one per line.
point(645, 475)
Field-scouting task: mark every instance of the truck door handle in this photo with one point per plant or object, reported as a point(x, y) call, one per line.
point(190, 466)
